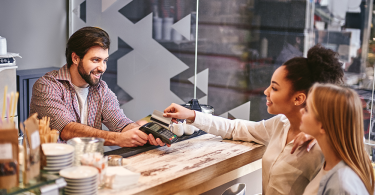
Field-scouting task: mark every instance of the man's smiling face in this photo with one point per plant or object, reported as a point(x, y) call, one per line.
point(93, 65)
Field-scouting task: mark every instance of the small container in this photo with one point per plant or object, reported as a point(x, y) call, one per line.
point(193, 104)
point(205, 108)
point(114, 160)
point(178, 129)
point(3, 46)
point(167, 28)
point(83, 145)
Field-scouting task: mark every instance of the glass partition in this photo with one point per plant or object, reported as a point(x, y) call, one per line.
point(239, 45)
point(151, 58)
point(345, 26)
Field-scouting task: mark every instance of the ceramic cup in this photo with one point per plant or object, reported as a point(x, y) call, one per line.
point(178, 129)
point(189, 129)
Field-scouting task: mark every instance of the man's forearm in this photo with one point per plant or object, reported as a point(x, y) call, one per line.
point(130, 126)
point(74, 129)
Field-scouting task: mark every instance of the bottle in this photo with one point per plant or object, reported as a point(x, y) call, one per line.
point(3, 46)
point(264, 48)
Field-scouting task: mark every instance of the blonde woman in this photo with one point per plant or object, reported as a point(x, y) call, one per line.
point(282, 172)
point(333, 116)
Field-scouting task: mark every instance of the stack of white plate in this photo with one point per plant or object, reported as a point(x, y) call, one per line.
point(81, 180)
point(58, 156)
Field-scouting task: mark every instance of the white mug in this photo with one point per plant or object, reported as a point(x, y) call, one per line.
point(178, 129)
point(189, 129)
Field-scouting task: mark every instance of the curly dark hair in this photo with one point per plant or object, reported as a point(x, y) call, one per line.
point(83, 39)
point(320, 66)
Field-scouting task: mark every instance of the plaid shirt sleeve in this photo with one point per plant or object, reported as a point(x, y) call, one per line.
point(47, 100)
point(113, 117)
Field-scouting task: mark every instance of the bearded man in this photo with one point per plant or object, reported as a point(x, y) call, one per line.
point(78, 101)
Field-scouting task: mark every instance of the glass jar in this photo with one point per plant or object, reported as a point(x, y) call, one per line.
point(83, 145)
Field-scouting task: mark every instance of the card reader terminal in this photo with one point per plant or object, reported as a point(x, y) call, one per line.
point(158, 131)
point(159, 128)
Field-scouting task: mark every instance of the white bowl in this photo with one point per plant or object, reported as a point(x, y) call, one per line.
point(81, 172)
point(57, 149)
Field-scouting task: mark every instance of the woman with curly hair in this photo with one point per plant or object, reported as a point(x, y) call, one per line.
point(282, 172)
point(334, 116)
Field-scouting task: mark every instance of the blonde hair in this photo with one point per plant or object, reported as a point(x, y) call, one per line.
point(340, 111)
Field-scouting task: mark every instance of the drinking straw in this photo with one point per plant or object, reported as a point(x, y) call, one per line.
point(15, 102)
point(4, 101)
point(8, 100)
point(47, 125)
point(10, 106)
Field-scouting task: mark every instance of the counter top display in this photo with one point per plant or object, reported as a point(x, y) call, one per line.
point(186, 164)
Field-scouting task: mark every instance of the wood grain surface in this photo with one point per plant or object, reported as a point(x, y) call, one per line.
point(187, 164)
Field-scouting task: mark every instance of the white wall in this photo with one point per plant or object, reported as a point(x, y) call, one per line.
point(37, 30)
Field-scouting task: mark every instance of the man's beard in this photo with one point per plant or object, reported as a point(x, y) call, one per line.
point(87, 76)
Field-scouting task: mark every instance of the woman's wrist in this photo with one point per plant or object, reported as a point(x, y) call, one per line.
point(192, 118)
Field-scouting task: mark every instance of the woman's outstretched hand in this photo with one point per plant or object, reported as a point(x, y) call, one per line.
point(176, 111)
point(302, 139)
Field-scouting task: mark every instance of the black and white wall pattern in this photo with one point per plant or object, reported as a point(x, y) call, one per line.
point(151, 61)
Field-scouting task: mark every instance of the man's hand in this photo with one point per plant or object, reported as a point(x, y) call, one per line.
point(131, 138)
point(157, 141)
point(176, 111)
point(141, 122)
point(301, 139)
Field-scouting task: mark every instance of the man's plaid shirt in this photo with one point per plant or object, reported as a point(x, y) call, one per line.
point(55, 97)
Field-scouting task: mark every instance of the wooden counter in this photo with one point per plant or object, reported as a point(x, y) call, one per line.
point(187, 164)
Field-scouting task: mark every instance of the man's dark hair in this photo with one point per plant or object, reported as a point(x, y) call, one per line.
point(83, 39)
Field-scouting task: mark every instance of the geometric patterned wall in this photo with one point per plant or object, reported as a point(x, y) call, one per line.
point(148, 70)
point(240, 42)
point(152, 61)
point(140, 68)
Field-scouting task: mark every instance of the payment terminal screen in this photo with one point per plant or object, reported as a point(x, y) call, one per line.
point(155, 127)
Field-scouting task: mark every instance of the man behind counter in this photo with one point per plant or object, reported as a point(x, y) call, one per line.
point(78, 101)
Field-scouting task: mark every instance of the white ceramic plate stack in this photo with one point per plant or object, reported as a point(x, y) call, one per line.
point(58, 156)
point(81, 180)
